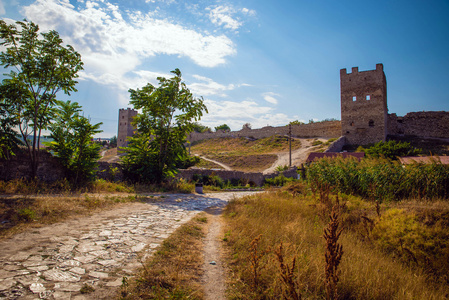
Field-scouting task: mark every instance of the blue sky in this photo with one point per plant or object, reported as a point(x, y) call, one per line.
point(261, 62)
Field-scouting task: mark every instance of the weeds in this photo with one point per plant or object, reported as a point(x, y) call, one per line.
point(378, 269)
point(334, 252)
point(255, 257)
point(288, 275)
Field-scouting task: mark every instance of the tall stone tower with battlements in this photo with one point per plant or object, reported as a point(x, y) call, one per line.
point(125, 128)
point(364, 111)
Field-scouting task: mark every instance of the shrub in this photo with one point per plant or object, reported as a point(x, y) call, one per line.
point(391, 149)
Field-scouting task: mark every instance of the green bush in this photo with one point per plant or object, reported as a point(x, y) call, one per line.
point(391, 149)
point(279, 180)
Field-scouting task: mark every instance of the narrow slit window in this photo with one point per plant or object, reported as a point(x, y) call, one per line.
point(371, 123)
point(368, 97)
point(354, 98)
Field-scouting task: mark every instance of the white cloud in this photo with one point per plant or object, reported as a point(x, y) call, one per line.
point(249, 12)
point(223, 16)
point(113, 44)
point(208, 87)
point(235, 114)
point(270, 97)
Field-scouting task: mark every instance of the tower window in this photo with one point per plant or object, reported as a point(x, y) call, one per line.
point(125, 123)
point(368, 97)
point(354, 98)
point(371, 123)
point(352, 123)
point(123, 117)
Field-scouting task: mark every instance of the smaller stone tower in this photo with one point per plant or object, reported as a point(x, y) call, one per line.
point(364, 111)
point(125, 128)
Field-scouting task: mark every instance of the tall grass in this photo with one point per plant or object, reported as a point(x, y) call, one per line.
point(297, 223)
point(380, 178)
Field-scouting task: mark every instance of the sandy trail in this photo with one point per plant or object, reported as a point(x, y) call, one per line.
point(299, 156)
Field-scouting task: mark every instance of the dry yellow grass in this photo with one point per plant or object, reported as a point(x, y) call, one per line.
point(175, 270)
point(365, 272)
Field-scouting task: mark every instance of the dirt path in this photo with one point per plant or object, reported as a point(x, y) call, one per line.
point(60, 260)
point(218, 163)
point(214, 274)
point(299, 156)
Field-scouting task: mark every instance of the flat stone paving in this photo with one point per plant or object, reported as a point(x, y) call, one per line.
point(98, 256)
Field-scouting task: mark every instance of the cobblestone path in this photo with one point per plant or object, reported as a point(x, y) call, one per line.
point(57, 261)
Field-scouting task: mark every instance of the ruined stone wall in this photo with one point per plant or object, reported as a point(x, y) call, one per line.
point(125, 129)
point(49, 169)
point(423, 124)
point(256, 178)
point(337, 145)
point(328, 129)
point(364, 105)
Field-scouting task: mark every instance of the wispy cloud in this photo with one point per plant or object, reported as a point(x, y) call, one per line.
point(208, 87)
point(270, 97)
point(113, 42)
point(223, 16)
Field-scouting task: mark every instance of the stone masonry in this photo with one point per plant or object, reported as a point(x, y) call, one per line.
point(364, 105)
point(57, 261)
point(125, 128)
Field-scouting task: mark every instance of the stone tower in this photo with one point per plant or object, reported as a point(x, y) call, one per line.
point(125, 128)
point(364, 111)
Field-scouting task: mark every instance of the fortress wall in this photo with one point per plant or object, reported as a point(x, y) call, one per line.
point(327, 129)
point(257, 178)
point(424, 124)
point(337, 145)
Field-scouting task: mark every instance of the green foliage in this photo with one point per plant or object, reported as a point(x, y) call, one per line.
point(223, 127)
point(391, 149)
point(72, 142)
point(401, 233)
point(40, 68)
point(26, 214)
point(212, 180)
point(279, 180)
point(113, 142)
point(197, 127)
point(380, 178)
point(168, 115)
point(282, 168)
point(9, 142)
point(296, 122)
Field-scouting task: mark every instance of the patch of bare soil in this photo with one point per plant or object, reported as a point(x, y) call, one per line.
point(214, 273)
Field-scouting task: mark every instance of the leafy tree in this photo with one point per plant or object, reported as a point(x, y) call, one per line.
point(168, 115)
point(113, 142)
point(72, 142)
point(391, 149)
point(246, 126)
point(9, 142)
point(197, 127)
point(223, 127)
point(40, 67)
point(296, 122)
